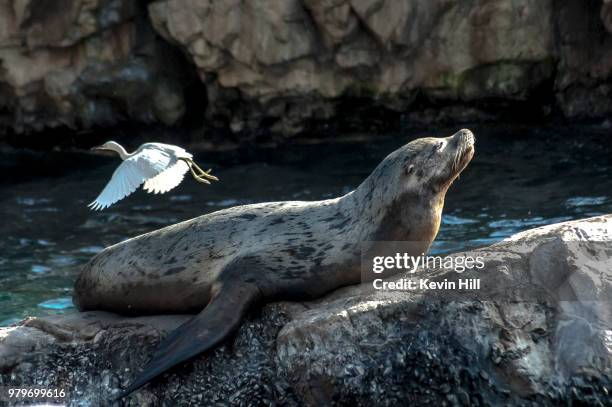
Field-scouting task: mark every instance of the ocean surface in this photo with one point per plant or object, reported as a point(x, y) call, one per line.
point(520, 178)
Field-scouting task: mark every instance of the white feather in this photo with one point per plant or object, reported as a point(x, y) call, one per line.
point(168, 179)
point(158, 165)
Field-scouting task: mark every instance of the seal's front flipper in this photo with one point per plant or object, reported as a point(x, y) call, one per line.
point(219, 319)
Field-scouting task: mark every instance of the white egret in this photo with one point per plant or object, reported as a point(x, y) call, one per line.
point(159, 166)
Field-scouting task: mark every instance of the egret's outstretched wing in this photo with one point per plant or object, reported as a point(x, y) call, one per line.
point(131, 174)
point(168, 179)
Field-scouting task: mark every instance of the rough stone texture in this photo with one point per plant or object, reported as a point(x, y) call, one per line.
point(282, 63)
point(81, 64)
point(584, 81)
point(606, 14)
point(362, 347)
point(276, 58)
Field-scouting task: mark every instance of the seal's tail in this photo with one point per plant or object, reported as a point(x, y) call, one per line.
point(219, 319)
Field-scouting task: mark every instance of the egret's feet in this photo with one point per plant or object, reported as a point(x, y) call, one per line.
point(202, 180)
point(204, 174)
point(198, 177)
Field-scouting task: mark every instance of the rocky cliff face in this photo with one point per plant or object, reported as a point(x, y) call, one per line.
point(362, 347)
point(283, 63)
point(82, 64)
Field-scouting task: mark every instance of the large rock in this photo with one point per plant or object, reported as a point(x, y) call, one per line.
point(539, 331)
point(278, 57)
point(281, 64)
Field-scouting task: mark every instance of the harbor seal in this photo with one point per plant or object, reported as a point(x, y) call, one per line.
point(222, 263)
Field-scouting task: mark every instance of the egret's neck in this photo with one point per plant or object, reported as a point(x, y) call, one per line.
point(121, 151)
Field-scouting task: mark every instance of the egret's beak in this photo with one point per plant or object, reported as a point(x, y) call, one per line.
point(96, 148)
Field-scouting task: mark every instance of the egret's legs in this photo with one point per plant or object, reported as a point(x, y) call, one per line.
point(205, 174)
point(202, 176)
point(197, 177)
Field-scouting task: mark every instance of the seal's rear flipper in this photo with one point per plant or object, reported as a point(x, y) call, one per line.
point(219, 319)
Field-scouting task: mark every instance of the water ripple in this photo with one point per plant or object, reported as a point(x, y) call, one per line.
point(57, 303)
point(39, 268)
point(580, 201)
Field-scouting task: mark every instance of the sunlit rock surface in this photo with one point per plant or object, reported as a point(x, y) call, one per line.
point(280, 64)
point(539, 330)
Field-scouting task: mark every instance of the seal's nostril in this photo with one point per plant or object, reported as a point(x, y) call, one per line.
point(467, 136)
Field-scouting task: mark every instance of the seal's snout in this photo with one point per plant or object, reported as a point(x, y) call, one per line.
point(465, 138)
point(464, 150)
point(464, 141)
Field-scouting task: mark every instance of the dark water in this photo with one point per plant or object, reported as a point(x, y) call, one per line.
point(520, 178)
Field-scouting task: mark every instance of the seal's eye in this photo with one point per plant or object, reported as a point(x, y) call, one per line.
point(408, 169)
point(439, 146)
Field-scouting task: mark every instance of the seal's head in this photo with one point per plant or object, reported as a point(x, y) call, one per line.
point(434, 163)
point(408, 187)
